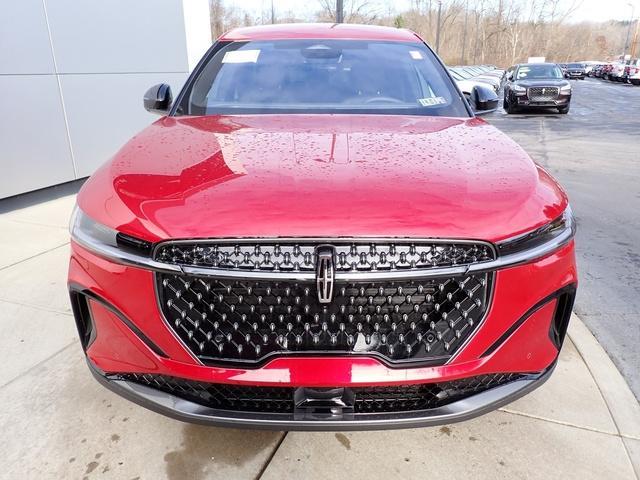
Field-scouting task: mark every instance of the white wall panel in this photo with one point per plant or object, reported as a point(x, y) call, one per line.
point(102, 55)
point(100, 36)
point(104, 111)
point(24, 38)
point(197, 22)
point(34, 151)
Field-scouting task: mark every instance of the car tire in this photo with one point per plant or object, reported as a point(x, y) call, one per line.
point(504, 103)
point(509, 107)
point(564, 110)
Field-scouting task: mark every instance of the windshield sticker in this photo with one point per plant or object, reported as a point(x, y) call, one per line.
point(241, 56)
point(416, 55)
point(432, 101)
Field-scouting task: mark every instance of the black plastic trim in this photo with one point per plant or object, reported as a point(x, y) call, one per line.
point(561, 316)
point(186, 411)
point(555, 295)
point(84, 320)
point(88, 294)
point(133, 244)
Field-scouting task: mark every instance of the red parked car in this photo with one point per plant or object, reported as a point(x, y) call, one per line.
point(319, 233)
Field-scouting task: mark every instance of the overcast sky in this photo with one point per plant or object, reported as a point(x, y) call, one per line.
point(592, 10)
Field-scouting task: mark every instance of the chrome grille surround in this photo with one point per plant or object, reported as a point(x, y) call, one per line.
point(298, 255)
point(543, 94)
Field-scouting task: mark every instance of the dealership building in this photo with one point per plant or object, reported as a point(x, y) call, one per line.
point(73, 75)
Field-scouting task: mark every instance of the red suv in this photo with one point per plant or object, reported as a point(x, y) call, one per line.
point(320, 234)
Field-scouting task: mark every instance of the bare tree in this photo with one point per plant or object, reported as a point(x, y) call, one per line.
point(355, 11)
point(500, 32)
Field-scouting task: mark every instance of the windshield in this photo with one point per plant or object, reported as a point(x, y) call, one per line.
point(322, 76)
point(576, 65)
point(538, 71)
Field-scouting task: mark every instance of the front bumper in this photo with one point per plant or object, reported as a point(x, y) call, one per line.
point(187, 411)
point(561, 101)
point(127, 335)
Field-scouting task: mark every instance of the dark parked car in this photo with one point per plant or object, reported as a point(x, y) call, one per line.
point(576, 70)
point(536, 85)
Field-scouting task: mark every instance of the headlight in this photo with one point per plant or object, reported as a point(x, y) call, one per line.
point(540, 241)
point(108, 242)
point(565, 89)
point(88, 232)
point(519, 89)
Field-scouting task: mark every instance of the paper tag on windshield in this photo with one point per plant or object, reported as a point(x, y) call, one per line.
point(431, 101)
point(416, 55)
point(241, 56)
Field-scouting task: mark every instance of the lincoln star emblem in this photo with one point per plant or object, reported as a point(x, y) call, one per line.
point(325, 273)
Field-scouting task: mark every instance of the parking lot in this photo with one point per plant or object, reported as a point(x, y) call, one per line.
point(584, 423)
point(594, 153)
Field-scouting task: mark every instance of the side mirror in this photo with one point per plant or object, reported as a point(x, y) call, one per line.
point(483, 99)
point(158, 99)
point(510, 77)
point(566, 74)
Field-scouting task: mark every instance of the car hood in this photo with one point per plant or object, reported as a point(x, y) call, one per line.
point(543, 82)
point(487, 79)
point(321, 176)
point(466, 86)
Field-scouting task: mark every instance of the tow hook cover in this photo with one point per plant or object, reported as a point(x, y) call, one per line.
point(323, 403)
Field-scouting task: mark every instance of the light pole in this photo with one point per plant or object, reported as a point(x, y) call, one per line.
point(339, 11)
point(438, 27)
point(634, 42)
point(626, 42)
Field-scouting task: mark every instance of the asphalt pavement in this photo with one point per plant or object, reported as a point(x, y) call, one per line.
point(594, 152)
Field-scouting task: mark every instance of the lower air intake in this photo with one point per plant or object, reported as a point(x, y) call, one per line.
point(281, 399)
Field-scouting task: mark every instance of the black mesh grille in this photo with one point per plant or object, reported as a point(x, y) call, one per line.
point(425, 396)
point(280, 399)
point(247, 321)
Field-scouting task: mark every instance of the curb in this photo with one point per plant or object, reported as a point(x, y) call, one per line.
point(622, 403)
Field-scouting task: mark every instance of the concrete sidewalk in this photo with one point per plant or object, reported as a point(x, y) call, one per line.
point(57, 422)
